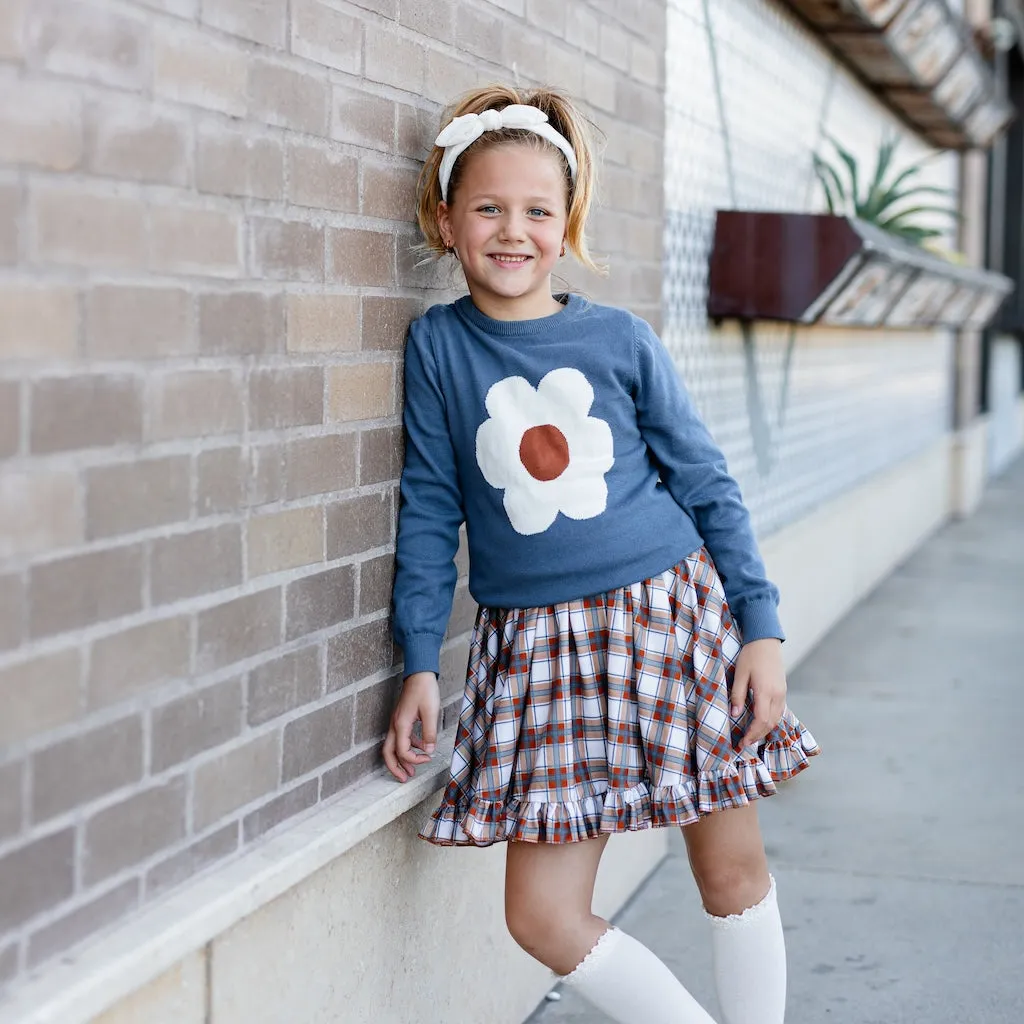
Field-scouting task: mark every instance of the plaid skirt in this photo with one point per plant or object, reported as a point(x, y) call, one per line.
point(607, 714)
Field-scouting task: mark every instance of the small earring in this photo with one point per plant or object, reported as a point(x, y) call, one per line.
point(562, 253)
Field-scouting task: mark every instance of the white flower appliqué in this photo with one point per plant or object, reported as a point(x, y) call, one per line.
point(543, 449)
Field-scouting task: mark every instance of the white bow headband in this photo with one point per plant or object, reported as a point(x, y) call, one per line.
point(463, 131)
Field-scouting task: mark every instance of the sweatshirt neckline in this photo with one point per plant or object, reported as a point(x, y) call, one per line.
point(574, 305)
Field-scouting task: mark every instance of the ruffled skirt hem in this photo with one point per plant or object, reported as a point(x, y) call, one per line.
point(468, 820)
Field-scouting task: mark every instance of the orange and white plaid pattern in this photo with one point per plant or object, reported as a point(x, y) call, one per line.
point(607, 714)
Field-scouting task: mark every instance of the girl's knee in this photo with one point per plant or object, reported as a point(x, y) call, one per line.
point(732, 882)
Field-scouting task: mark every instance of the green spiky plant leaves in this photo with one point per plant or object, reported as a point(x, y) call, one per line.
point(879, 203)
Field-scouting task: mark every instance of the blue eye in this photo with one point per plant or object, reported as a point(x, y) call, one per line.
point(488, 209)
point(538, 212)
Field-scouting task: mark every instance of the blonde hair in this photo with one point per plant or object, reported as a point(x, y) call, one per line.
point(563, 116)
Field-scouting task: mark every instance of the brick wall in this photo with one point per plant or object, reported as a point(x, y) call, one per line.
point(205, 279)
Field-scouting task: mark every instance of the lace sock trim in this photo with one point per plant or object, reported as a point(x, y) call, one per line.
point(592, 962)
point(749, 916)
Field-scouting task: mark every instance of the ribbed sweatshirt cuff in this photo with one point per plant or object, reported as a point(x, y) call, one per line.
point(422, 653)
point(759, 620)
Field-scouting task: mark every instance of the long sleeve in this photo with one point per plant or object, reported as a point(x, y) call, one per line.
point(693, 469)
point(430, 514)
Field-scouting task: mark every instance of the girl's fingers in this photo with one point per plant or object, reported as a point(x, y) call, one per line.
point(390, 759)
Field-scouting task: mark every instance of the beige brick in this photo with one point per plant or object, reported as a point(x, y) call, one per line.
point(40, 125)
point(362, 118)
point(241, 323)
point(12, 29)
point(200, 562)
point(320, 322)
point(386, 321)
point(195, 241)
point(85, 412)
point(10, 418)
point(392, 60)
point(645, 63)
point(321, 178)
point(599, 86)
point(319, 601)
point(284, 684)
point(77, 591)
point(38, 321)
point(70, 226)
point(415, 132)
point(565, 68)
point(478, 32)
point(524, 49)
point(434, 18)
point(196, 403)
point(12, 610)
point(346, 774)
point(326, 35)
point(516, 7)
point(317, 738)
point(86, 766)
point(196, 722)
point(134, 141)
point(320, 465)
point(266, 473)
point(220, 484)
point(126, 664)
point(83, 921)
point(359, 524)
point(289, 397)
point(549, 15)
point(614, 47)
point(168, 874)
point(10, 222)
point(238, 165)
point(380, 455)
point(127, 322)
point(262, 21)
point(289, 98)
point(236, 778)
point(182, 8)
point(12, 775)
point(374, 705)
point(280, 809)
point(288, 250)
point(586, 29)
point(376, 578)
point(238, 629)
point(36, 876)
point(389, 192)
point(136, 495)
point(38, 695)
point(39, 512)
point(90, 41)
point(359, 257)
point(285, 540)
point(191, 67)
point(133, 830)
point(364, 391)
point(414, 269)
point(448, 76)
point(359, 653)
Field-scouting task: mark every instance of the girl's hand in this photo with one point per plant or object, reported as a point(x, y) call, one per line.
point(420, 702)
point(759, 667)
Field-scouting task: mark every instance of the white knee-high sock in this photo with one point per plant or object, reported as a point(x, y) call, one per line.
point(624, 980)
point(749, 955)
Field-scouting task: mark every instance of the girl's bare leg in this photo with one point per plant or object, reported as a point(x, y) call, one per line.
point(748, 948)
point(549, 889)
point(548, 893)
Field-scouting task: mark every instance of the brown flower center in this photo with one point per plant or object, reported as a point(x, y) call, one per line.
point(544, 452)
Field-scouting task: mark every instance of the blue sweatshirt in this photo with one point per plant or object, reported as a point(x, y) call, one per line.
point(574, 455)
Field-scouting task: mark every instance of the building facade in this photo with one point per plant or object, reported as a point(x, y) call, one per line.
point(206, 272)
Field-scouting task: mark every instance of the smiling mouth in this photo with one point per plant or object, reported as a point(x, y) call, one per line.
point(508, 261)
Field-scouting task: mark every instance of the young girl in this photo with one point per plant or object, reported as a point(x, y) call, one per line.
point(625, 669)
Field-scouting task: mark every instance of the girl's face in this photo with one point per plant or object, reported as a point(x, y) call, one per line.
point(507, 220)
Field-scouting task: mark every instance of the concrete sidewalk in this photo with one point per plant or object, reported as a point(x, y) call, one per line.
point(899, 854)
